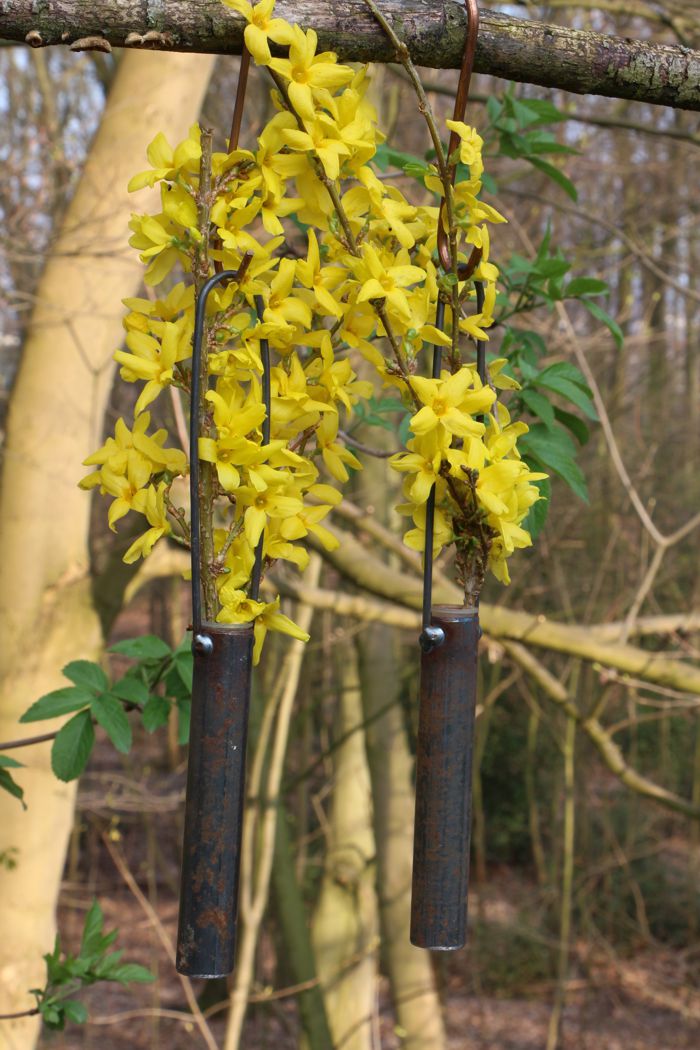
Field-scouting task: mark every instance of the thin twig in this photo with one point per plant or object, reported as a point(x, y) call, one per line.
point(123, 869)
point(255, 896)
point(28, 741)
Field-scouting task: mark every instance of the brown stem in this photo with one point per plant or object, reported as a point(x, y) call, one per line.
point(351, 243)
point(240, 100)
point(207, 487)
point(27, 742)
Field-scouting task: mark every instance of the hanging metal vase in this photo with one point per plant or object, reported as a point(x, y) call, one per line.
point(448, 677)
point(449, 642)
point(214, 805)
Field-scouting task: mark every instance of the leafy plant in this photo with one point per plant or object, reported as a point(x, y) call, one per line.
point(68, 974)
point(160, 679)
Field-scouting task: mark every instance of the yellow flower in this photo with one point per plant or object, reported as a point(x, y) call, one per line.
point(387, 282)
point(277, 501)
point(146, 315)
point(151, 503)
point(168, 163)
point(470, 147)
point(322, 138)
point(282, 306)
point(156, 237)
point(337, 377)
point(293, 407)
point(306, 521)
point(271, 619)
point(423, 461)
point(335, 455)
point(126, 485)
point(238, 608)
point(261, 28)
point(450, 403)
point(305, 70)
point(415, 538)
point(115, 452)
point(153, 361)
point(320, 279)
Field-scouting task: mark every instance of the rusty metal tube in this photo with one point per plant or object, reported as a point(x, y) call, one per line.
point(443, 782)
point(215, 796)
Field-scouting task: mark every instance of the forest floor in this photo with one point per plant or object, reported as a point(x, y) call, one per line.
point(645, 1002)
point(497, 994)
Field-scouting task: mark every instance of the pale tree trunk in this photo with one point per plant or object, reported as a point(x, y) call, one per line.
point(416, 1002)
point(344, 932)
point(55, 419)
point(410, 970)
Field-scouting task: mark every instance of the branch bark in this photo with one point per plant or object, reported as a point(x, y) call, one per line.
point(359, 566)
point(532, 52)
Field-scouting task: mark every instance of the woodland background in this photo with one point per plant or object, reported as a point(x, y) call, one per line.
point(585, 901)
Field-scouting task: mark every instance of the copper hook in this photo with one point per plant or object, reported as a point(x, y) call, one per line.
point(240, 100)
point(465, 270)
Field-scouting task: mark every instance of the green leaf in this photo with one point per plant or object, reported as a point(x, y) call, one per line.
point(523, 113)
point(184, 665)
point(567, 371)
point(91, 941)
point(489, 183)
point(556, 175)
point(572, 392)
point(10, 763)
point(386, 156)
point(71, 748)
point(537, 514)
point(132, 973)
point(604, 317)
point(585, 286)
point(538, 405)
point(148, 647)
point(110, 714)
point(551, 267)
point(184, 708)
point(11, 786)
point(87, 674)
point(75, 1011)
point(60, 702)
point(544, 110)
point(155, 713)
point(52, 1017)
point(133, 690)
point(555, 450)
point(573, 423)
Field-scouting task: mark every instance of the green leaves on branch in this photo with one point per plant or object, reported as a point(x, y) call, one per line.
point(145, 649)
point(68, 974)
point(7, 783)
point(160, 680)
point(72, 746)
point(517, 124)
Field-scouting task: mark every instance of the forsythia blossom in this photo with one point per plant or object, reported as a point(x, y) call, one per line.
point(361, 283)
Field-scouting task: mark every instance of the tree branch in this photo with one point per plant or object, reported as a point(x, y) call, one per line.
point(551, 56)
point(362, 568)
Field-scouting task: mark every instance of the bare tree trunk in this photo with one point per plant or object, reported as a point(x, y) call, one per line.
point(55, 419)
point(416, 1002)
point(344, 930)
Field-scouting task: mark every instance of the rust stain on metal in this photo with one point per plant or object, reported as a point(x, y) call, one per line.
point(443, 782)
